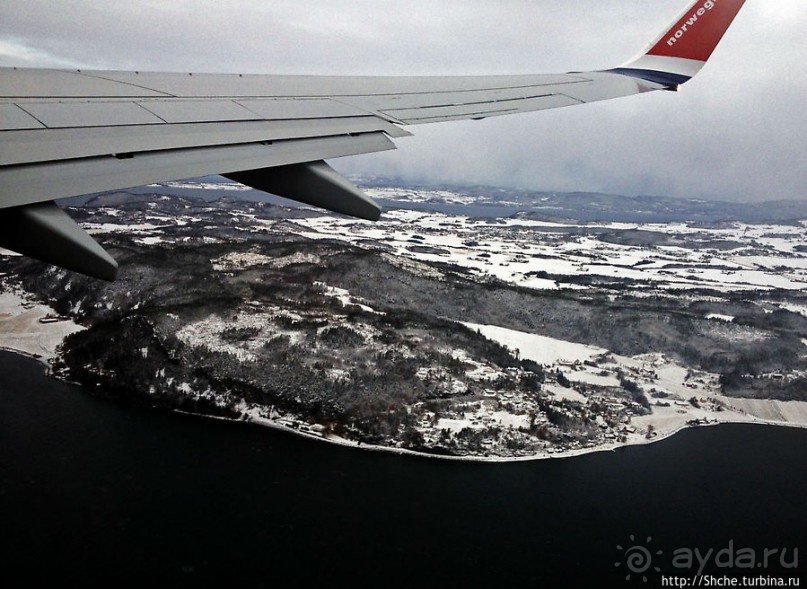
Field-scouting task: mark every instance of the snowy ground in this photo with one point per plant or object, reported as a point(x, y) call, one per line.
point(515, 250)
point(528, 253)
point(22, 330)
point(652, 371)
point(539, 348)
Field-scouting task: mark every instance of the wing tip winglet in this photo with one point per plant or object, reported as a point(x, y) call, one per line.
point(684, 47)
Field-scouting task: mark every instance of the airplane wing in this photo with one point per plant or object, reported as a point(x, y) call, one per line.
point(66, 133)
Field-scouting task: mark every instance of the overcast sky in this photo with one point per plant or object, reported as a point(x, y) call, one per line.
point(738, 131)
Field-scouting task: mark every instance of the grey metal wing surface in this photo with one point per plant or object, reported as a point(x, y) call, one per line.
point(66, 133)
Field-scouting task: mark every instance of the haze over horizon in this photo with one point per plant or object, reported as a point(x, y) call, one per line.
point(736, 132)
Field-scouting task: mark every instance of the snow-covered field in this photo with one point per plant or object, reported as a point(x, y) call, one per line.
point(22, 328)
point(539, 348)
point(517, 250)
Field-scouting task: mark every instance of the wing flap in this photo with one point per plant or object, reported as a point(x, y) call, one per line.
point(304, 108)
point(197, 111)
point(38, 146)
point(56, 115)
point(36, 182)
point(480, 109)
point(13, 118)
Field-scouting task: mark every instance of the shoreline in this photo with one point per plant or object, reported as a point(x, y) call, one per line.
point(635, 440)
point(22, 332)
point(22, 329)
point(611, 447)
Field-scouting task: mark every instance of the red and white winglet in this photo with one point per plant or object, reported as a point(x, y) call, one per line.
point(680, 52)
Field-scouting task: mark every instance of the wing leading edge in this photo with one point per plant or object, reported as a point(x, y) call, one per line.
point(67, 133)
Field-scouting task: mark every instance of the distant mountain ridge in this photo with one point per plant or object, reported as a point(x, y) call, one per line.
point(595, 206)
point(487, 201)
